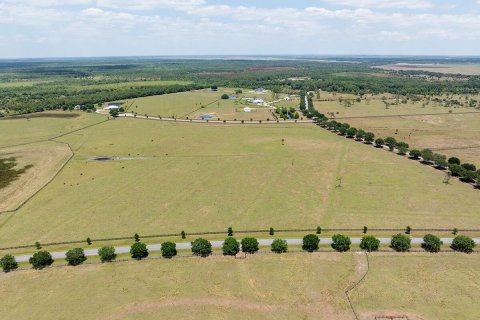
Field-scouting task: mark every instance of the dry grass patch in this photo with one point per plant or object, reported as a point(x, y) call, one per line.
point(294, 286)
point(45, 157)
point(420, 286)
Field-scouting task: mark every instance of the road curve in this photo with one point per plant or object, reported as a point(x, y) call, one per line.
point(218, 244)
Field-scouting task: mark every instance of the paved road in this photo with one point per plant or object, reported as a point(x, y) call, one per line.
point(218, 244)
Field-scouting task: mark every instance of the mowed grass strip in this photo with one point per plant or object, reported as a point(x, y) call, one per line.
point(206, 178)
point(420, 286)
point(293, 286)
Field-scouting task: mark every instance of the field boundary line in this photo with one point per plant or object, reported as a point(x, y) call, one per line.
point(406, 115)
point(72, 153)
point(354, 285)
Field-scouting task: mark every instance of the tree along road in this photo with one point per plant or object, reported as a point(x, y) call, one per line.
point(218, 244)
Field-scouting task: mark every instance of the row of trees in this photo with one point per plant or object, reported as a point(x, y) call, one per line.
point(467, 172)
point(202, 247)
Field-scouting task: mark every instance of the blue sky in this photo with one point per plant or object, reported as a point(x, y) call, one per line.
point(77, 28)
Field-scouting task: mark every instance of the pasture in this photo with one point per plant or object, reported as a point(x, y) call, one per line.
point(201, 177)
point(46, 159)
point(420, 286)
point(43, 126)
point(194, 104)
point(447, 130)
point(260, 287)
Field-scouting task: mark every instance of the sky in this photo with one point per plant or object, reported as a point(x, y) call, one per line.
point(89, 28)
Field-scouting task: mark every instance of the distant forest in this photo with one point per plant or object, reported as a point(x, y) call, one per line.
point(36, 85)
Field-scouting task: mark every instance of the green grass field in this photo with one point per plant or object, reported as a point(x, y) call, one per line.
point(193, 104)
point(26, 130)
point(453, 134)
point(420, 286)
point(199, 177)
point(294, 286)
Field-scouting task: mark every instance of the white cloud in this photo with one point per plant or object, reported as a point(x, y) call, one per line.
point(403, 4)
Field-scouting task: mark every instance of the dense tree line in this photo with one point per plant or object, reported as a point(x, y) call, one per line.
point(63, 84)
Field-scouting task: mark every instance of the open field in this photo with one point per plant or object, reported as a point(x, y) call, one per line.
point(434, 127)
point(260, 287)
point(30, 128)
point(208, 177)
point(466, 69)
point(420, 286)
point(46, 158)
point(194, 104)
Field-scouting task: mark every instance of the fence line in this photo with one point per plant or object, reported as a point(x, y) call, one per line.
point(360, 230)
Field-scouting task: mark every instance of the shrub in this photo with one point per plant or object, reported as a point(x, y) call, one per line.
point(319, 230)
point(75, 256)
point(107, 254)
point(463, 244)
point(183, 234)
point(224, 96)
point(360, 134)
point(136, 237)
point(41, 259)
point(139, 250)
point(456, 170)
point(415, 154)
point(431, 243)
point(249, 245)
point(390, 142)
point(89, 241)
point(453, 160)
point(351, 132)
point(310, 242)
point(365, 229)
point(469, 167)
point(279, 246)
point(8, 263)
point(230, 246)
point(379, 142)
point(469, 176)
point(454, 231)
point(38, 246)
point(400, 243)
point(169, 249)
point(408, 230)
point(272, 231)
point(369, 243)
point(230, 231)
point(201, 247)
point(427, 155)
point(369, 137)
point(341, 243)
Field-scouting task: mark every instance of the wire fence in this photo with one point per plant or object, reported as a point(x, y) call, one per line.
point(225, 232)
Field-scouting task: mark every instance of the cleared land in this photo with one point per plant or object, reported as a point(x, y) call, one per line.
point(31, 128)
point(194, 104)
point(453, 134)
point(206, 177)
point(46, 158)
point(420, 286)
point(466, 69)
point(294, 286)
